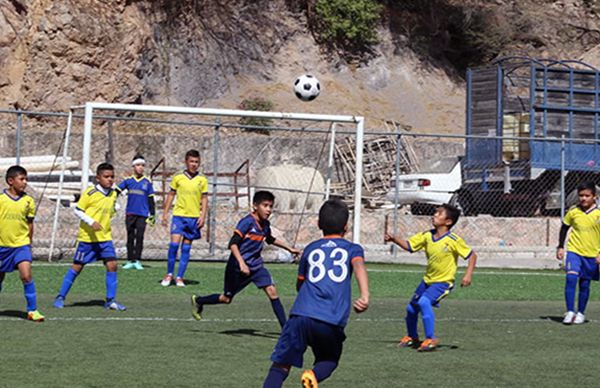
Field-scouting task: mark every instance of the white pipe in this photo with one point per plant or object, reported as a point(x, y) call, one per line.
point(89, 106)
point(60, 184)
point(87, 145)
point(31, 159)
point(330, 162)
point(360, 128)
point(42, 167)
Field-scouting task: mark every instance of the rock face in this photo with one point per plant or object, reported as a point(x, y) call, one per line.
point(54, 54)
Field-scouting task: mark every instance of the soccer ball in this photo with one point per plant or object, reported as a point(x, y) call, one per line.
point(307, 87)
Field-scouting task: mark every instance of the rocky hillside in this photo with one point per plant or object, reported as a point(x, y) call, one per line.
point(216, 53)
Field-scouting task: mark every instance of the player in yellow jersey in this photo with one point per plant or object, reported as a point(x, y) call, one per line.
point(442, 248)
point(17, 210)
point(583, 251)
point(95, 209)
point(189, 215)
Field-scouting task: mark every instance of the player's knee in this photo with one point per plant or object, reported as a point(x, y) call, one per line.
point(271, 292)
point(225, 299)
point(410, 309)
point(285, 368)
point(424, 302)
point(26, 278)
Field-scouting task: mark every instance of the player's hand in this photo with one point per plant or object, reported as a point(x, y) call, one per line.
point(200, 222)
point(361, 304)
point(466, 281)
point(560, 254)
point(388, 237)
point(598, 259)
point(244, 269)
point(164, 221)
point(295, 252)
point(96, 226)
point(151, 220)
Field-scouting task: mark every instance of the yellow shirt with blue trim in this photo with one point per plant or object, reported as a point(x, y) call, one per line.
point(584, 238)
point(189, 190)
point(100, 207)
point(15, 216)
point(442, 254)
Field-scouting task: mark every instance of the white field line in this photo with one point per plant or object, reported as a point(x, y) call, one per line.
point(496, 273)
point(269, 320)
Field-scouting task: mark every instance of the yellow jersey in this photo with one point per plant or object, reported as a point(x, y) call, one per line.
point(442, 254)
point(15, 216)
point(189, 190)
point(584, 238)
point(100, 207)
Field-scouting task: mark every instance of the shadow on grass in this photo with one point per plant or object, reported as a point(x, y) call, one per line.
point(249, 332)
point(553, 318)
point(13, 313)
point(89, 303)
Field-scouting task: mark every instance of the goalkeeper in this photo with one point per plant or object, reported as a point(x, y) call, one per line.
point(139, 212)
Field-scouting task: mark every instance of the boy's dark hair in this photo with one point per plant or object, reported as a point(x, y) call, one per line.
point(138, 156)
point(192, 154)
point(333, 217)
point(587, 185)
point(104, 167)
point(261, 196)
point(15, 171)
point(452, 213)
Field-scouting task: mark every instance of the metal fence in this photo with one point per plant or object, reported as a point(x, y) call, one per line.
point(517, 203)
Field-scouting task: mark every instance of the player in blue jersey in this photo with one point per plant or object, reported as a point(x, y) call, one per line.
point(139, 212)
point(17, 210)
point(322, 307)
point(245, 264)
point(583, 251)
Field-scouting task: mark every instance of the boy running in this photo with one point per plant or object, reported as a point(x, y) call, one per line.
point(140, 210)
point(322, 307)
point(17, 210)
point(245, 264)
point(189, 215)
point(583, 251)
point(442, 249)
point(95, 209)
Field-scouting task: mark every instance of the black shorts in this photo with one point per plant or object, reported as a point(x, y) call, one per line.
point(235, 281)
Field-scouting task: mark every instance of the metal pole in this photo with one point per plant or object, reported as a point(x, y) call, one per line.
point(396, 189)
point(330, 162)
point(87, 145)
point(360, 128)
point(60, 183)
point(562, 177)
point(213, 205)
point(18, 140)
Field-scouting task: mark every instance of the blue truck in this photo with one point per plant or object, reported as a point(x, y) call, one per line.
point(526, 120)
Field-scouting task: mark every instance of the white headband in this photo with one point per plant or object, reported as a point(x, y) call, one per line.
point(138, 161)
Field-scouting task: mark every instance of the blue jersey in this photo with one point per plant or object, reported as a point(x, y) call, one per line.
point(253, 233)
point(138, 192)
point(326, 269)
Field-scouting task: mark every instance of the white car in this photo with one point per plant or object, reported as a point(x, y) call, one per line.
point(431, 187)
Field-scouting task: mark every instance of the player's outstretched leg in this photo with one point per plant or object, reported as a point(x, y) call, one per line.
point(198, 303)
point(570, 290)
point(584, 296)
point(276, 305)
point(276, 376)
point(411, 339)
point(428, 317)
point(67, 282)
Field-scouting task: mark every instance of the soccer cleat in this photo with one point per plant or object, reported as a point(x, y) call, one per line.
point(59, 302)
point(35, 316)
point(166, 282)
point(129, 265)
point(428, 345)
point(309, 380)
point(408, 342)
point(196, 309)
point(179, 282)
point(579, 319)
point(569, 318)
point(113, 305)
point(137, 265)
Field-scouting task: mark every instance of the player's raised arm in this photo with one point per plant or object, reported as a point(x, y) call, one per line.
point(398, 241)
point(360, 273)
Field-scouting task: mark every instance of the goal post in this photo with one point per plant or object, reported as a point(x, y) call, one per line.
point(91, 109)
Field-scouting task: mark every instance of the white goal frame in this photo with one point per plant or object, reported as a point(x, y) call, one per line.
point(90, 107)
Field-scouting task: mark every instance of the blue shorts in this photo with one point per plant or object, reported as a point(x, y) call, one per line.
point(585, 267)
point(235, 281)
point(186, 227)
point(10, 257)
point(435, 292)
point(89, 252)
point(325, 339)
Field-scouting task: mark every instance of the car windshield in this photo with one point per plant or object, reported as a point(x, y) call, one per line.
point(439, 166)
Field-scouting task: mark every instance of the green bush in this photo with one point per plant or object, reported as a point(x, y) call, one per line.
point(348, 24)
point(259, 104)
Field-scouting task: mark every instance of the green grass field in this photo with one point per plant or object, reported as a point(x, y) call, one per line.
point(502, 331)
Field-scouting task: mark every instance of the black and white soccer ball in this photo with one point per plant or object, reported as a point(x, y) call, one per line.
point(307, 87)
